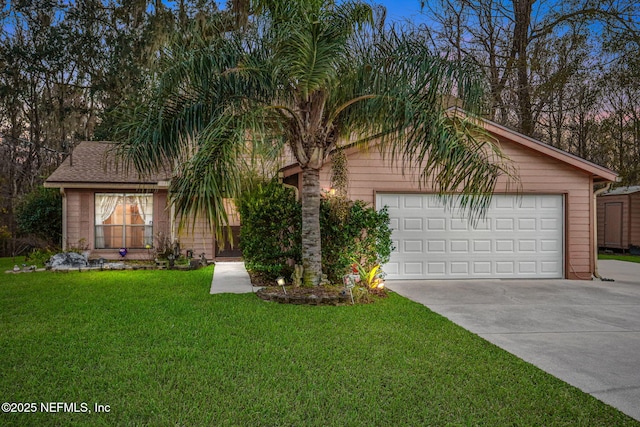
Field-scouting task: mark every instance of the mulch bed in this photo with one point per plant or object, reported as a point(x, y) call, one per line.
point(317, 295)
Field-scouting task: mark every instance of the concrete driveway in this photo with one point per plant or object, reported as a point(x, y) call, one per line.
point(586, 333)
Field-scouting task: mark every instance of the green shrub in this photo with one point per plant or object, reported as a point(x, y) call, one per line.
point(39, 213)
point(363, 235)
point(270, 232)
point(271, 225)
point(40, 256)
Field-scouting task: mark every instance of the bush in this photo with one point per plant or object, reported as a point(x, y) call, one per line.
point(270, 232)
point(271, 225)
point(40, 214)
point(360, 234)
point(39, 257)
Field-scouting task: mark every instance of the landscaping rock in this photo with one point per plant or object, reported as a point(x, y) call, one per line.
point(67, 260)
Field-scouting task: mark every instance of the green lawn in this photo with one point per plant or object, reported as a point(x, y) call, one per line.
point(620, 257)
point(161, 351)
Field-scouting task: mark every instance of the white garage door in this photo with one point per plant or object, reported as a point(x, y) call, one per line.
point(521, 237)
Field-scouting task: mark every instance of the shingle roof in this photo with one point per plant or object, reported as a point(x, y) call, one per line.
point(91, 162)
point(622, 190)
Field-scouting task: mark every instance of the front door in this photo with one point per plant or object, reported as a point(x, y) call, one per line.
point(227, 251)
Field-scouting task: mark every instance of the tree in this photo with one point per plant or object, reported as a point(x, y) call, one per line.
point(309, 75)
point(512, 39)
point(39, 213)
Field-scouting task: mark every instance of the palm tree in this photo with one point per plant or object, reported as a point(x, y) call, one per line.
point(311, 75)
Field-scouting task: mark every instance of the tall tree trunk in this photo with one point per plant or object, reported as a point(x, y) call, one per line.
point(311, 243)
point(522, 11)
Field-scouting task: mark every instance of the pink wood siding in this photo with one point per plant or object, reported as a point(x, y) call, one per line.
point(634, 219)
point(161, 221)
point(79, 218)
point(198, 238)
point(602, 202)
point(369, 174)
point(630, 219)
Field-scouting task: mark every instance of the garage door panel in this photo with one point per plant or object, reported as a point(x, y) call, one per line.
point(459, 246)
point(413, 202)
point(435, 224)
point(483, 224)
point(436, 268)
point(521, 237)
point(527, 202)
point(458, 224)
point(413, 246)
point(413, 268)
point(504, 203)
point(460, 267)
point(482, 268)
point(505, 246)
point(504, 224)
point(552, 203)
point(527, 267)
point(482, 246)
point(436, 246)
point(527, 246)
point(392, 201)
point(549, 267)
point(526, 224)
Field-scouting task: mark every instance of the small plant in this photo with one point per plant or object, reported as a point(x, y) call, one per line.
point(165, 247)
point(297, 275)
point(40, 256)
point(372, 278)
point(79, 247)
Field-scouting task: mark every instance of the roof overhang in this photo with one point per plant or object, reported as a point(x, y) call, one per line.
point(162, 185)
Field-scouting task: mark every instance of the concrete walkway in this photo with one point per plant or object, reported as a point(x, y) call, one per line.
point(230, 277)
point(587, 333)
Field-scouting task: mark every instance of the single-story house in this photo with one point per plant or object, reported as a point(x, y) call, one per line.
point(544, 228)
point(619, 218)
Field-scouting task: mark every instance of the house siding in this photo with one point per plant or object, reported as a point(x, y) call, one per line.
point(630, 219)
point(541, 174)
point(634, 219)
point(197, 237)
point(79, 219)
point(625, 223)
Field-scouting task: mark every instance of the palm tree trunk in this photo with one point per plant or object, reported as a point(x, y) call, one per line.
point(311, 243)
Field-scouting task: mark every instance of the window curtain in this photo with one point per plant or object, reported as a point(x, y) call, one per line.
point(105, 206)
point(145, 208)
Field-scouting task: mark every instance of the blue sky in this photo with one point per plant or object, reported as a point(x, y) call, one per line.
point(400, 10)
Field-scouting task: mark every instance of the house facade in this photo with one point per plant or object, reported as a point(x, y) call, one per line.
point(544, 227)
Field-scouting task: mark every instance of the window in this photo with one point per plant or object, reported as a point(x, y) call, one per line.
point(123, 220)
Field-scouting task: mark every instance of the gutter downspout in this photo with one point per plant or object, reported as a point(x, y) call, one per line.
point(64, 219)
point(595, 230)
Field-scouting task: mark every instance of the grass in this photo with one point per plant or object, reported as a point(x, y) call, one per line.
point(620, 257)
point(159, 350)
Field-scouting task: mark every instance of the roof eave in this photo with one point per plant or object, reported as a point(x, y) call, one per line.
point(156, 185)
